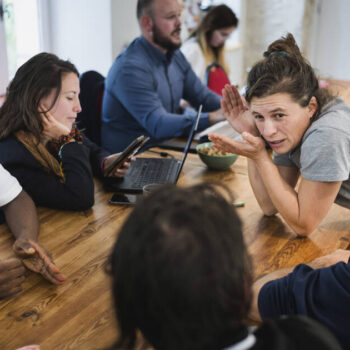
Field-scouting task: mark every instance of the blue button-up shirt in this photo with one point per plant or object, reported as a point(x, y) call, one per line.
point(142, 96)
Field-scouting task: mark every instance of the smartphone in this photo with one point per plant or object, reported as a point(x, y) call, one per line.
point(122, 198)
point(129, 152)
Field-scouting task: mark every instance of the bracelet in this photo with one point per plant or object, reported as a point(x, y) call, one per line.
point(55, 146)
point(61, 148)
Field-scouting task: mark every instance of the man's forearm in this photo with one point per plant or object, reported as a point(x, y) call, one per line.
point(339, 255)
point(21, 217)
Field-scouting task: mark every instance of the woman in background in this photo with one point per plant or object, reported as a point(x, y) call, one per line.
point(39, 142)
point(206, 43)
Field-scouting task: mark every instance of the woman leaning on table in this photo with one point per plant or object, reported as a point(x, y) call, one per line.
point(307, 129)
point(39, 142)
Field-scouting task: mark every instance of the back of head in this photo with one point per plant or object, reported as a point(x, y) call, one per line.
point(181, 271)
point(33, 81)
point(143, 7)
point(285, 70)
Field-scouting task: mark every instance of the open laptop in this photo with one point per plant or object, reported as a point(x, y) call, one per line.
point(151, 170)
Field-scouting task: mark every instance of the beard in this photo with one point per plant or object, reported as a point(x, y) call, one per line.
point(163, 41)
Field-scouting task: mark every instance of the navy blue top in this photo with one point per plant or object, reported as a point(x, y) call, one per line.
point(323, 294)
point(80, 161)
point(142, 96)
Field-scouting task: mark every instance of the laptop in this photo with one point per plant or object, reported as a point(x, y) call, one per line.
point(151, 170)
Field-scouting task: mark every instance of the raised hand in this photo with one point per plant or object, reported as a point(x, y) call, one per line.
point(251, 147)
point(52, 128)
point(37, 259)
point(12, 275)
point(236, 111)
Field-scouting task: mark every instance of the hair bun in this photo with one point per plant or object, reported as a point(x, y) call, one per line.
point(278, 53)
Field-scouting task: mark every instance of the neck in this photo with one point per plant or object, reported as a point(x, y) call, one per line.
point(147, 37)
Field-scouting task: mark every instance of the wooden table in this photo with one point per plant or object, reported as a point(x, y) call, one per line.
point(79, 314)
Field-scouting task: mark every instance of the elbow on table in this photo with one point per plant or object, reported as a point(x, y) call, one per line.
point(303, 232)
point(82, 201)
point(305, 229)
point(269, 211)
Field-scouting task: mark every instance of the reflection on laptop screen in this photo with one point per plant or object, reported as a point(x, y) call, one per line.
point(190, 139)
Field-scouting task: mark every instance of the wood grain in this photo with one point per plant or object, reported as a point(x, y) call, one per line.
point(79, 314)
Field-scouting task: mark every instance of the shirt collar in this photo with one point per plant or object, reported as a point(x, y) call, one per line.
point(156, 53)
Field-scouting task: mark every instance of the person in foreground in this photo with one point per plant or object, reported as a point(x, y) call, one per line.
point(182, 276)
point(147, 81)
point(21, 217)
point(39, 142)
point(307, 129)
point(206, 44)
point(319, 289)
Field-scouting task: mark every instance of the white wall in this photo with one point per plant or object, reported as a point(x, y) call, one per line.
point(81, 32)
point(4, 76)
point(92, 33)
point(125, 27)
point(268, 20)
point(331, 48)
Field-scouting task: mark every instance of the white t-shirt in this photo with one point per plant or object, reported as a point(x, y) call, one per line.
point(194, 55)
point(9, 187)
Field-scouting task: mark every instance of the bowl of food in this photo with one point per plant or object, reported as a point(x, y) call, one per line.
point(214, 158)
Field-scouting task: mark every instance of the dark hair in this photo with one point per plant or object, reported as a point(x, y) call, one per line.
point(181, 273)
point(143, 7)
point(33, 81)
point(218, 17)
point(284, 69)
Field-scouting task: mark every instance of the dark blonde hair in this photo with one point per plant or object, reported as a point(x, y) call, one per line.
point(33, 81)
point(284, 70)
point(218, 17)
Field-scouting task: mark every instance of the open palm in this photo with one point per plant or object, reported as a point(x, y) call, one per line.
point(236, 111)
point(37, 259)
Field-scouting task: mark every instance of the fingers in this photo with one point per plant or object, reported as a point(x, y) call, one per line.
point(253, 140)
point(11, 288)
point(12, 275)
point(10, 264)
point(122, 169)
point(250, 146)
point(10, 270)
point(23, 248)
point(43, 264)
point(342, 255)
point(224, 143)
point(30, 347)
point(224, 107)
point(232, 97)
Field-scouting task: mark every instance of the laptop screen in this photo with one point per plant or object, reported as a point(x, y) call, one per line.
point(189, 141)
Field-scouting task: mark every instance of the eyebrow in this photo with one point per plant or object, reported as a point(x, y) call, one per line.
point(70, 91)
point(273, 111)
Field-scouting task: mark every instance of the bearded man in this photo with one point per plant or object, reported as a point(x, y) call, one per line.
point(147, 81)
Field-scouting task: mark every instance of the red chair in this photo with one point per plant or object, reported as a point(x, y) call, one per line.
point(216, 78)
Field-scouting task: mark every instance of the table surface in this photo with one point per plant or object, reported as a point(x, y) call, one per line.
point(79, 314)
